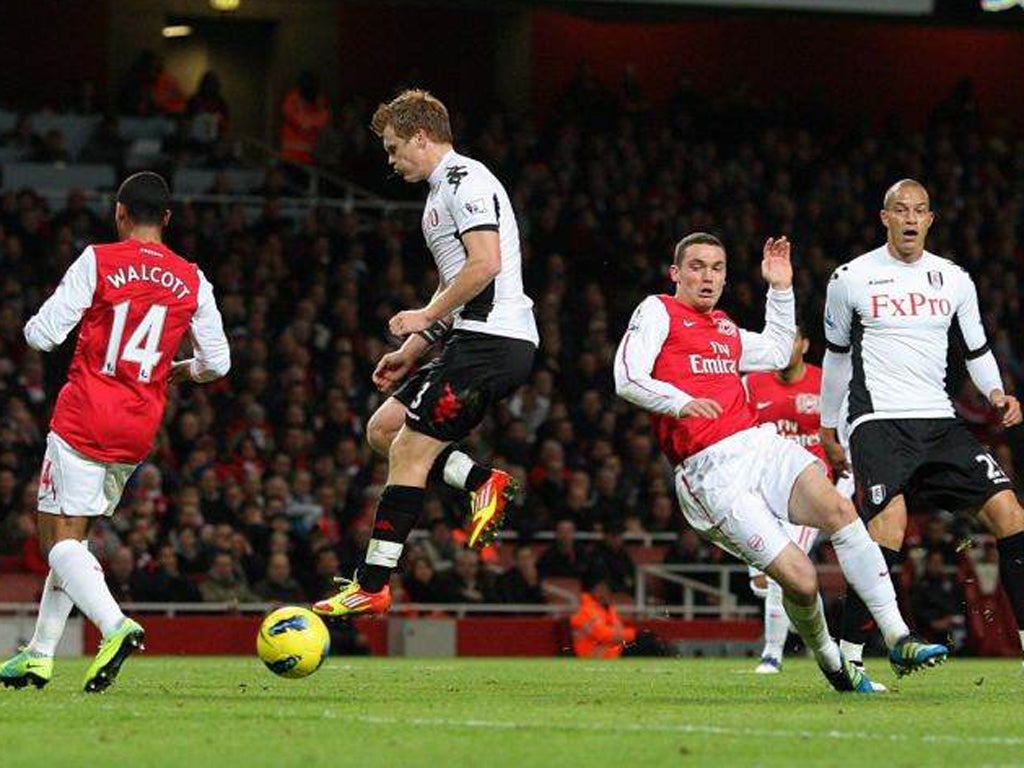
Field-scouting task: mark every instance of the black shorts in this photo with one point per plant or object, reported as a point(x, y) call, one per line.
point(450, 395)
point(934, 463)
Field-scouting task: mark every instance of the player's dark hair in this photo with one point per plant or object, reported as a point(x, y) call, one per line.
point(146, 196)
point(410, 111)
point(694, 238)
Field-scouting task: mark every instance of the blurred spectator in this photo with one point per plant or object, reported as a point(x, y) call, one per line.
point(422, 584)
point(611, 555)
point(304, 114)
point(564, 557)
point(938, 603)
point(207, 111)
point(225, 582)
point(597, 630)
point(121, 577)
point(150, 89)
point(165, 582)
point(440, 548)
point(520, 584)
point(278, 586)
point(467, 582)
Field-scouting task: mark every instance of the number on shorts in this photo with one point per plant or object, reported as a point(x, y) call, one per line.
point(419, 396)
point(992, 469)
point(143, 345)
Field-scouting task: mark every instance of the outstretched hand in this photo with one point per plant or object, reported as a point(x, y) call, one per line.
point(776, 267)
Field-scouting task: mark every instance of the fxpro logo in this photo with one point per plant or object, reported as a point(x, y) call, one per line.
point(909, 305)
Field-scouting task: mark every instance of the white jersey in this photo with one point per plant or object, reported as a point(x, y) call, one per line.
point(895, 319)
point(465, 196)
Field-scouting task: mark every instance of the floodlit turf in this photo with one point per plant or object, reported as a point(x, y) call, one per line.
point(196, 712)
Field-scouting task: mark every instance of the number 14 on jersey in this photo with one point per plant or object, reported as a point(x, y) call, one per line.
point(143, 346)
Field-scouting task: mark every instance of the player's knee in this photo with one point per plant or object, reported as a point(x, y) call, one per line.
point(380, 434)
point(1003, 515)
point(846, 512)
point(804, 586)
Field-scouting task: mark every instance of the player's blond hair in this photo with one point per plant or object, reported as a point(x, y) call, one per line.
point(413, 110)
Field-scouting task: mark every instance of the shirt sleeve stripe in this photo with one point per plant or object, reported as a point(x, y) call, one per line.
point(478, 228)
point(973, 355)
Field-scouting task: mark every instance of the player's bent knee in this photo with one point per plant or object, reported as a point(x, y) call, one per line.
point(1003, 515)
point(380, 436)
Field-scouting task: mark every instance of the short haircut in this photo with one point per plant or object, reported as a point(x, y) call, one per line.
point(890, 193)
point(146, 196)
point(411, 111)
point(694, 238)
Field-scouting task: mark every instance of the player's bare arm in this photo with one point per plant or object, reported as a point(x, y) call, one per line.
point(483, 263)
point(834, 450)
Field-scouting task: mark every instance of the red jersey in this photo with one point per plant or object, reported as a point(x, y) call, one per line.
point(672, 354)
point(135, 301)
point(793, 407)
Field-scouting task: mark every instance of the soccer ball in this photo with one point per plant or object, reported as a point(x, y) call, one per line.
point(293, 642)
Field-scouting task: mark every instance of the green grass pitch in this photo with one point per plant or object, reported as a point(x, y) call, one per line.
point(226, 712)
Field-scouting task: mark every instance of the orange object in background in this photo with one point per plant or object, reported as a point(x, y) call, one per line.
point(304, 114)
point(597, 630)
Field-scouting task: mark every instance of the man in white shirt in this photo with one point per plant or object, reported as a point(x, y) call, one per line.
point(889, 317)
point(485, 321)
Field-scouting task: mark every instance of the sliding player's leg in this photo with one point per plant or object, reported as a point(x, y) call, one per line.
point(814, 501)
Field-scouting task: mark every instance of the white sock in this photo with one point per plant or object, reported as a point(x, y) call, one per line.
point(865, 570)
point(809, 622)
point(852, 651)
point(82, 577)
point(776, 622)
point(54, 609)
point(384, 553)
point(1021, 633)
point(456, 469)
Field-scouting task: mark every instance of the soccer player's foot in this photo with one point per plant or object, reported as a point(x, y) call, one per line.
point(879, 688)
point(911, 654)
point(488, 504)
point(850, 678)
point(769, 666)
point(24, 668)
point(127, 638)
point(354, 599)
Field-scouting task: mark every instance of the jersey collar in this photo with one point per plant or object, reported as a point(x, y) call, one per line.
point(435, 176)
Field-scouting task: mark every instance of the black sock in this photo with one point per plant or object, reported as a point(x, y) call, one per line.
point(397, 512)
point(857, 621)
point(1011, 573)
point(477, 475)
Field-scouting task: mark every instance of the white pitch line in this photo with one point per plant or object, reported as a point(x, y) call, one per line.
point(710, 730)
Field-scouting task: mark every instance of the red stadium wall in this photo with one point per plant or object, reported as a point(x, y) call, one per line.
point(856, 66)
point(491, 636)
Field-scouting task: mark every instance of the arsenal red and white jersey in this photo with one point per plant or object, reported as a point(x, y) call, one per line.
point(135, 302)
point(672, 353)
point(793, 407)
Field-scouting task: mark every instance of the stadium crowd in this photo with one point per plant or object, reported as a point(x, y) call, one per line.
point(262, 487)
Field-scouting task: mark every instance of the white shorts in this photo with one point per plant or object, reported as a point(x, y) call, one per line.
point(74, 485)
point(736, 492)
